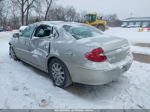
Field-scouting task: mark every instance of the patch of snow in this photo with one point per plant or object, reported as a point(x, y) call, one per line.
point(140, 50)
point(85, 40)
point(132, 34)
point(93, 44)
point(36, 53)
point(24, 87)
point(22, 28)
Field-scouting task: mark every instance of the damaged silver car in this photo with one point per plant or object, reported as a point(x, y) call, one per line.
point(72, 52)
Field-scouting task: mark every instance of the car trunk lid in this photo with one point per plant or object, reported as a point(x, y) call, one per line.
point(116, 49)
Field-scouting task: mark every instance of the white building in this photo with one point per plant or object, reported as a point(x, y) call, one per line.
point(136, 21)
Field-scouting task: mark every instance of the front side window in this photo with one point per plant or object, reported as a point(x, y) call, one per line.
point(91, 18)
point(46, 31)
point(82, 31)
point(27, 33)
point(43, 31)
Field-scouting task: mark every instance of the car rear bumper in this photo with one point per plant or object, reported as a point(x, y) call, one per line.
point(98, 77)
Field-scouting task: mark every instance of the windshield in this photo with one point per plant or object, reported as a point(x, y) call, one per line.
point(82, 31)
point(91, 18)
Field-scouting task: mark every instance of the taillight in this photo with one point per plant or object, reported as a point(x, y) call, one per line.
point(96, 55)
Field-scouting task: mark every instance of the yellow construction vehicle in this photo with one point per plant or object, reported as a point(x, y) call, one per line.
point(92, 19)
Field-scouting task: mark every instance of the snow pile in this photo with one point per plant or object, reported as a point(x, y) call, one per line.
point(22, 28)
point(141, 50)
point(132, 34)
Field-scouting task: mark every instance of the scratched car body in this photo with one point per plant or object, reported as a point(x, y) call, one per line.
point(72, 52)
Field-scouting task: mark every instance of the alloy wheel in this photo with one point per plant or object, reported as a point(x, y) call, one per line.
point(58, 74)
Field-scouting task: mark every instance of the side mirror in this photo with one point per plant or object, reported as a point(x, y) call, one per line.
point(16, 35)
point(101, 18)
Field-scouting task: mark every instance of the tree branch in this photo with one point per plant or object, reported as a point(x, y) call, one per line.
point(49, 5)
point(28, 7)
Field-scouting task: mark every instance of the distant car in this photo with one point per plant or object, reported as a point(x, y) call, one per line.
point(133, 26)
point(1, 29)
point(22, 28)
point(124, 26)
point(147, 26)
point(72, 52)
point(8, 28)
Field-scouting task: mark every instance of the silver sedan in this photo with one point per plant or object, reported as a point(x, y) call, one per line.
point(72, 52)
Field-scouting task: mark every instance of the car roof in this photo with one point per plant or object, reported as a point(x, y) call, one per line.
point(58, 23)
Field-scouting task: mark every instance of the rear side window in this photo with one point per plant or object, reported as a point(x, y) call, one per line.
point(27, 33)
point(82, 31)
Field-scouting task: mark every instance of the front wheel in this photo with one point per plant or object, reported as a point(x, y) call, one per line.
point(12, 53)
point(59, 73)
point(101, 27)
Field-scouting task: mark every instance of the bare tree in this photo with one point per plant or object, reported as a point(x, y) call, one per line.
point(4, 13)
point(112, 20)
point(25, 6)
point(22, 12)
point(1, 11)
point(38, 9)
point(49, 3)
point(70, 14)
point(15, 16)
point(63, 14)
point(27, 12)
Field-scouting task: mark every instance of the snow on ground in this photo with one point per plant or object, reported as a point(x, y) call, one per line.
point(132, 34)
point(141, 50)
point(23, 86)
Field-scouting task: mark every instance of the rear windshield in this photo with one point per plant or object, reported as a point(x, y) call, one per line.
point(82, 31)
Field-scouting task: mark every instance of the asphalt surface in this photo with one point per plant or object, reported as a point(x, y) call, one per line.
point(142, 58)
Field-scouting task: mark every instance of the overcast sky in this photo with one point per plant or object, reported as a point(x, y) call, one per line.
point(123, 8)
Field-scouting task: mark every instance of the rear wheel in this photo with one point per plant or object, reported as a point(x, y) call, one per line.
point(12, 53)
point(59, 73)
point(101, 27)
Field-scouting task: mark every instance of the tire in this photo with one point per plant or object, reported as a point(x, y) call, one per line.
point(59, 73)
point(12, 53)
point(101, 27)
